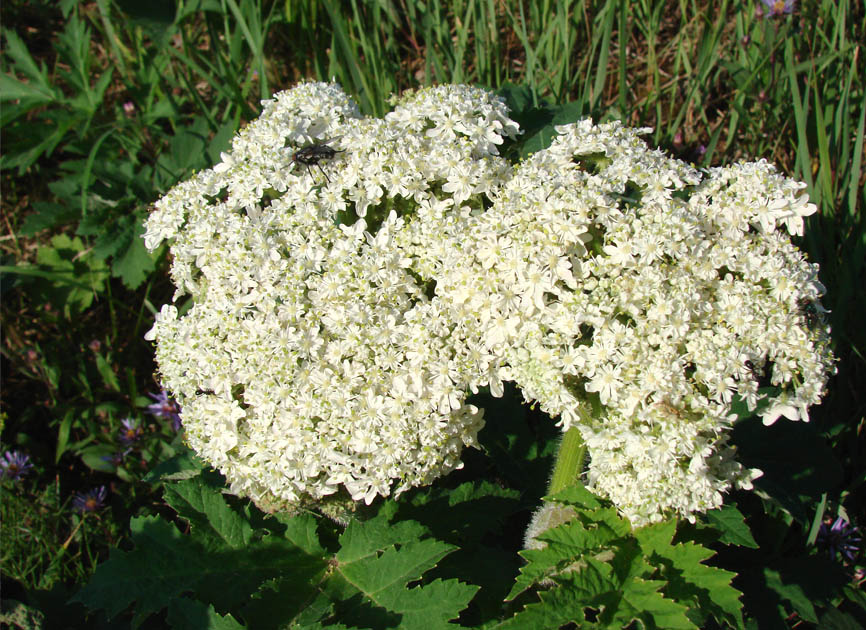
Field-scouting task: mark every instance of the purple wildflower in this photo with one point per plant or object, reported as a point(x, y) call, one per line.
point(165, 408)
point(779, 7)
point(130, 433)
point(89, 501)
point(840, 537)
point(14, 465)
point(116, 459)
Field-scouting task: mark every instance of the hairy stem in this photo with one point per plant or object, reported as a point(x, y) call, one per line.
point(569, 461)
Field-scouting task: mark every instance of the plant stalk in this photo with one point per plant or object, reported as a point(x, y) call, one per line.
point(569, 461)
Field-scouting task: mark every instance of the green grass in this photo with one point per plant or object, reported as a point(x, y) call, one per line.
point(716, 83)
point(44, 542)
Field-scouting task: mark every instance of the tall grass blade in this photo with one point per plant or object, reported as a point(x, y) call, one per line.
point(344, 57)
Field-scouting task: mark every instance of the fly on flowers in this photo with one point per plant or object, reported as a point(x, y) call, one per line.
point(315, 154)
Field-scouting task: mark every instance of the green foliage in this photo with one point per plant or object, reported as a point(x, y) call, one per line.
point(730, 523)
point(104, 167)
point(68, 113)
point(377, 560)
point(239, 566)
point(66, 276)
point(185, 613)
point(275, 571)
point(597, 572)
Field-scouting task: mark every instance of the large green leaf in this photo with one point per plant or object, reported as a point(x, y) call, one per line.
point(134, 264)
point(732, 525)
point(66, 275)
point(375, 565)
point(208, 514)
point(186, 614)
point(271, 572)
point(219, 561)
point(596, 571)
point(706, 588)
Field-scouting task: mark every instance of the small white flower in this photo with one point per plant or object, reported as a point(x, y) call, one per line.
point(166, 315)
point(606, 382)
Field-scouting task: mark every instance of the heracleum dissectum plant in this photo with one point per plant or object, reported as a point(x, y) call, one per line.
point(313, 357)
point(339, 322)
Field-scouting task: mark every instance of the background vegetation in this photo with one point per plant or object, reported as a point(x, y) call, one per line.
point(107, 104)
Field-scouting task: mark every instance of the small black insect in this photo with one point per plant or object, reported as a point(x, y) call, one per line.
point(814, 314)
point(315, 154)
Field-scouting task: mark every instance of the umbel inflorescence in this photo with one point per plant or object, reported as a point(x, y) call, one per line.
point(339, 319)
point(636, 298)
point(314, 356)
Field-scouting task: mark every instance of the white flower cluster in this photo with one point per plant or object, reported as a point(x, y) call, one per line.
point(312, 356)
point(636, 299)
point(343, 310)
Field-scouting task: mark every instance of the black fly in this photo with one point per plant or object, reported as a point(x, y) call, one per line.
point(314, 155)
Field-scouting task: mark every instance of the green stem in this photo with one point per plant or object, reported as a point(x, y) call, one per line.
point(569, 461)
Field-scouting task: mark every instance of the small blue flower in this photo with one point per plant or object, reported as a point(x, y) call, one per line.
point(840, 537)
point(779, 7)
point(130, 432)
point(89, 501)
point(14, 465)
point(165, 408)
